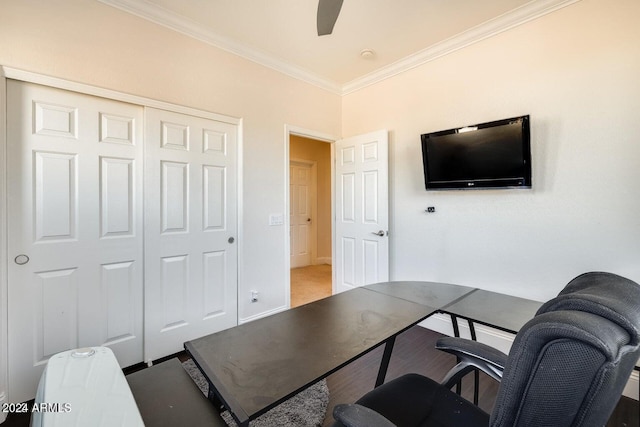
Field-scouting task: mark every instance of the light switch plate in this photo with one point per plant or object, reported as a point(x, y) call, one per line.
point(276, 219)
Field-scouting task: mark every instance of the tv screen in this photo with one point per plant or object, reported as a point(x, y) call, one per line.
point(488, 155)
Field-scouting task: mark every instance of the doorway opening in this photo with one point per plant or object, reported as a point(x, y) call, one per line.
point(310, 219)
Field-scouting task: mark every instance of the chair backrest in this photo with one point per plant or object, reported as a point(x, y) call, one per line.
point(569, 364)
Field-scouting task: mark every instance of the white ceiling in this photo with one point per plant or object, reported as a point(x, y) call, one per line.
point(282, 34)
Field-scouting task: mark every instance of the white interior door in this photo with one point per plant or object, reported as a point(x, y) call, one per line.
point(362, 210)
point(190, 229)
point(74, 229)
point(300, 193)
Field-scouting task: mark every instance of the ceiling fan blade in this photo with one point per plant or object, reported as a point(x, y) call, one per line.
point(328, 11)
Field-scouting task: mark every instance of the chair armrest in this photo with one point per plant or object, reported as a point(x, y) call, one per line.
point(354, 415)
point(472, 355)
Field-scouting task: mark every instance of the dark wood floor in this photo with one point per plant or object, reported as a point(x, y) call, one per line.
point(414, 352)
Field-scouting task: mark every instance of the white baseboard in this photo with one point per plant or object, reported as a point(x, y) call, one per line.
point(502, 341)
point(261, 315)
point(323, 260)
point(631, 389)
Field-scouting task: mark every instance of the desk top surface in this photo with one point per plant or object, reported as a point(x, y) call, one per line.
point(500, 311)
point(256, 365)
point(432, 294)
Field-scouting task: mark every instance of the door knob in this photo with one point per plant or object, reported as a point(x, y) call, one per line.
point(379, 233)
point(231, 240)
point(21, 259)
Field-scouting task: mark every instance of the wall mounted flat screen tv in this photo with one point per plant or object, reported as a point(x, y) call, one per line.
point(487, 155)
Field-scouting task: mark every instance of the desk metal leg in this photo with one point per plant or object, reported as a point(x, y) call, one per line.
point(213, 398)
point(472, 330)
point(637, 369)
point(456, 333)
point(476, 373)
point(217, 403)
point(384, 364)
point(454, 323)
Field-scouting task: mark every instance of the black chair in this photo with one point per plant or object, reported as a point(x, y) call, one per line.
point(567, 367)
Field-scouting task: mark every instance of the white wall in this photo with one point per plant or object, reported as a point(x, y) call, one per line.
point(576, 72)
point(89, 42)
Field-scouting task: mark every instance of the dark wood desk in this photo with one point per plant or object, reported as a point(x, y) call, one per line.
point(492, 309)
point(433, 294)
point(500, 311)
point(255, 366)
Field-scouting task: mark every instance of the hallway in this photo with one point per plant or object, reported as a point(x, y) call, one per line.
point(310, 283)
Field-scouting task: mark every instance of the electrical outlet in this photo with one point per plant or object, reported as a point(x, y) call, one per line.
point(431, 209)
point(254, 296)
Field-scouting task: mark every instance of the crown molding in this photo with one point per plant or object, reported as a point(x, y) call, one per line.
point(165, 18)
point(507, 21)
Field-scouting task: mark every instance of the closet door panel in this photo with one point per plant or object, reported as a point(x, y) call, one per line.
point(191, 264)
point(74, 228)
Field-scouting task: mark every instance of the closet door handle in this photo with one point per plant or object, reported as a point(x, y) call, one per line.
point(21, 259)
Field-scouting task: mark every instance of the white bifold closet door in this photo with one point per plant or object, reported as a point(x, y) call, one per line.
point(190, 229)
point(117, 213)
point(74, 228)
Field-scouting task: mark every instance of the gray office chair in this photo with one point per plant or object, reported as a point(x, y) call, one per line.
point(567, 367)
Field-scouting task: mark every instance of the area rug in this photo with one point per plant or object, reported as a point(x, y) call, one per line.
point(306, 409)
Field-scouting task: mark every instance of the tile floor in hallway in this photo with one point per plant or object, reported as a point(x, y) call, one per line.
point(310, 283)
